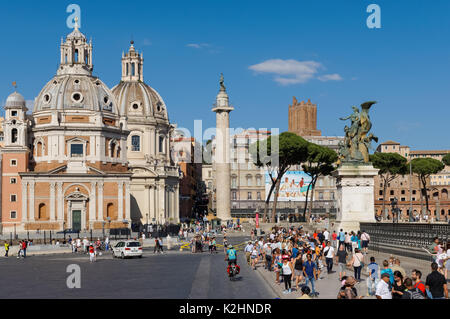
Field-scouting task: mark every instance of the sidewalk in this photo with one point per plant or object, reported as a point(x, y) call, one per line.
point(328, 286)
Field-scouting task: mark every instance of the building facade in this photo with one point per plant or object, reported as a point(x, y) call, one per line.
point(303, 118)
point(407, 188)
point(74, 162)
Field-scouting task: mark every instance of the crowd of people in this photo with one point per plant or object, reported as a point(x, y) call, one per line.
point(299, 259)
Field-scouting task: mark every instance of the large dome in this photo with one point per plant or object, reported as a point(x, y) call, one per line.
point(80, 92)
point(138, 100)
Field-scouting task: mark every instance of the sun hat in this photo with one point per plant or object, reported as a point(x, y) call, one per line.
point(350, 281)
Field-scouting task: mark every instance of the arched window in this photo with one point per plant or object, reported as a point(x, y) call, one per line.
point(128, 69)
point(111, 211)
point(133, 69)
point(76, 56)
point(14, 135)
point(39, 149)
point(161, 144)
point(135, 143)
point(113, 149)
point(42, 212)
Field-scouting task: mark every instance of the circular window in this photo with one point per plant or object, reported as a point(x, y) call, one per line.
point(76, 81)
point(135, 106)
point(47, 98)
point(77, 97)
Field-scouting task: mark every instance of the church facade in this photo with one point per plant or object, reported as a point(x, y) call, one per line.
point(88, 157)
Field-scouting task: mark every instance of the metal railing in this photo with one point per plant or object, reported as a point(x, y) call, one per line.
point(406, 234)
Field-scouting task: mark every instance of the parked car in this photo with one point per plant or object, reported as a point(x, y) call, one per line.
point(127, 248)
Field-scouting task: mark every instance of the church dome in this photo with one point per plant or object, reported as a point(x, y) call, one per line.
point(75, 92)
point(15, 100)
point(137, 99)
point(74, 87)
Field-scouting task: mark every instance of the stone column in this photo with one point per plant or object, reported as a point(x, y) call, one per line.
point(31, 197)
point(93, 204)
point(222, 155)
point(60, 204)
point(120, 200)
point(100, 202)
point(127, 202)
point(177, 204)
point(52, 201)
point(24, 201)
point(151, 205)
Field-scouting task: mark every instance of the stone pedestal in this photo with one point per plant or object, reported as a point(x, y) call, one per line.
point(355, 187)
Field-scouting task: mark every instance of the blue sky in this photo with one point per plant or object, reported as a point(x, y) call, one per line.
point(269, 51)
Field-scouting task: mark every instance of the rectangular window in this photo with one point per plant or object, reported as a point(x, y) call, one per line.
point(258, 195)
point(13, 113)
point(13, 198)
point(76, 150)
point(402, 199)
point(13, 162)
point(234, 195)
point(135, 143)
point(13, 214)
point(13, 180)
point(249, 195)
point(321, 195)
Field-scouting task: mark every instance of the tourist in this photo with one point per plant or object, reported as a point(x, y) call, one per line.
point(19, 252)
point(365, 238)
point(416, 276)
point(357, 263)
point(24, 248)
point(6, 249)
point(389, 271)
point(329, 255)
point(310, 273)
point(341, 237)
point(436, 284)
point(373, 270)
point(396, 267)
point(287, 271)
point(298, 269)
point(354, 241)
point(305, 293)
point(326, 235)
point(347, 241)
point(267, 248)
point(383, 291)
point(334, 239)
point(350, 291)
point(255, 256)
point(411, 292)
point(74, 246)
point(277, 264)
point(398, 287)
point(341, 259)
point(91, 253)
point(447, 261)
point(433, 248)
point(85, 245)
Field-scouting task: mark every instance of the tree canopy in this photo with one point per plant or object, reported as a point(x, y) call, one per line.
point(278, 153)
point(446, 159)
point(319, 162)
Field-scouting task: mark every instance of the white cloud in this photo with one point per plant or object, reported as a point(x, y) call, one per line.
point(292, 71)
point(330, 77)
point(198, 45)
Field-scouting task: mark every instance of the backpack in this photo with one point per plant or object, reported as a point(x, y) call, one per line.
point(414, 294)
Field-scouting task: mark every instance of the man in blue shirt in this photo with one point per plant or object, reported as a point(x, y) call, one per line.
point(341, 237)
point(373, 279)
point(294, 251)
point(231, 252)
point(310, 272)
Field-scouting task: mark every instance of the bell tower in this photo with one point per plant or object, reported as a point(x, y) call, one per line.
point(132, 65)
point(76, 54)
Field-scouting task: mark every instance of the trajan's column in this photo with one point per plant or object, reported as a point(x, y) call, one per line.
point(222, 154)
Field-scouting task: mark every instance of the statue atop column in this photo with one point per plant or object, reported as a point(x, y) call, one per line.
point(355, 147)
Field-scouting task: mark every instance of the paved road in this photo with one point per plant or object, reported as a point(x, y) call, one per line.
point(174, 275)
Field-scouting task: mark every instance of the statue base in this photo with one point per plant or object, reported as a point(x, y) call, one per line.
point(355, 195)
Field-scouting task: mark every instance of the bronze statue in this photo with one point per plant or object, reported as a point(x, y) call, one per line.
point(222, 83)
point(356, 144)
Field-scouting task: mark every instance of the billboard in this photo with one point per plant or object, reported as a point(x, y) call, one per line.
point(294, 185)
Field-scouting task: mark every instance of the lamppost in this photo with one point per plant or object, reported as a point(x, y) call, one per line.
point(394, 205)
point(438, 204)
point(109, 225)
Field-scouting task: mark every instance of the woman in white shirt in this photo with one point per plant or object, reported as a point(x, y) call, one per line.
point(287, 271)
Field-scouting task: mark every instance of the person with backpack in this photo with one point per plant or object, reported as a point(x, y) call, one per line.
point(24, 248)
point(389, 271)
point(373, 271)
point(416, 276)
point(411, 292)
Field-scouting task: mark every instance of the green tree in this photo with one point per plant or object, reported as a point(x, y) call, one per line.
point(277, 154)
point(390, 165)
point(320, 162)
point(423, 168)
point(446, 159)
